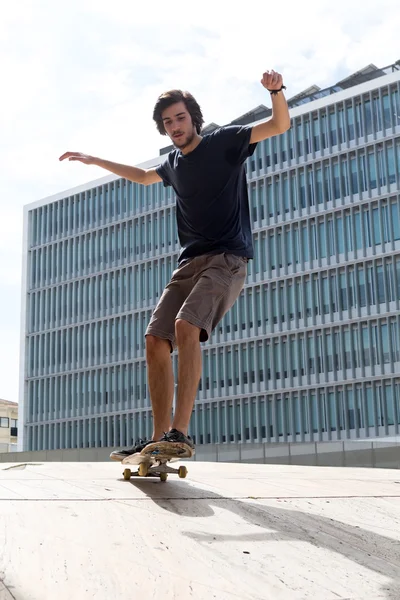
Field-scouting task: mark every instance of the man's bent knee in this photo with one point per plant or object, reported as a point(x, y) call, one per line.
point(155, 345)
point(186, 331)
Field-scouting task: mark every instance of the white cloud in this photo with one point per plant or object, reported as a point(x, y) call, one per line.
point(85, 76)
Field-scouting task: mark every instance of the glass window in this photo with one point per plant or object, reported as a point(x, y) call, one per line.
point(290, 137)
point(272, 258)
point(340, 125)
point(316, 134)
point(333, 128)
point(299, 298)
point(293, 187)
point(361, 286)
point(385, 342)
point(370, 407)
point(302, 189)
point(334, 292)
point(363, 173)
point(365, 343)
point(319, 190)
point(395, 336)
point(345, 177)
point(395, 107)
point(394, 210)
point(299, 132)
point(377, 113)
point(307, 142)
point(253, 197)
point(367, 228)
point(336, 182)
point(308, 298)
point(368, 117)
point(388, 399)
point(331, 238)
point(306, 254)
point(313, 241)
point(372, 170)
point(347, 349)
point(381, 167)
point(337, 354)
point(288, 246)
point(356, 349)
point(357, 226)
point(327, 183)
point(386, 111)
point(349, 232)
point(340, 234)
point(358, 120)
point(324, 130)
point(311, 355)
point(343, 291)
point(354, 177)
point(310, 187)
point(322, 239)
point(325, 293)
point(385, 217)
point(391, 164)
point(371, 285)
point(350, 121)
point(376, 226)
point(285, 190)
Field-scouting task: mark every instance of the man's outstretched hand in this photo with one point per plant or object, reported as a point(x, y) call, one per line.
point(83, 158)
point(272, 80)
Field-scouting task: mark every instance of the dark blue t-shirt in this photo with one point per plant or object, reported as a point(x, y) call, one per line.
point(212, 205)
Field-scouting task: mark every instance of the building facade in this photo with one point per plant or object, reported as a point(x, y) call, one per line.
point(8, 426)
point(310, 351)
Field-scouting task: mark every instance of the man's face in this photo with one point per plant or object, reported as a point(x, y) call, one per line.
point(178, 125)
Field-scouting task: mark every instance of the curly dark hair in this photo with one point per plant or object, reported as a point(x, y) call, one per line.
point(172, 97)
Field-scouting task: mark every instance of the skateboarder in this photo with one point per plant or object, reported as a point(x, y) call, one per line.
point(208, 177)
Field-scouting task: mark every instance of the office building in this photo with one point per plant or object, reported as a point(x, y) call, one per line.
point(8, 426)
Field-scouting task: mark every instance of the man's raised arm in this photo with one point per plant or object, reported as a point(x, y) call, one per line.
point(280, 120)
point(143, 176)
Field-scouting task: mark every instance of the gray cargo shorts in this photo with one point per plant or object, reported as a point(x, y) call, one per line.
point(201, 291)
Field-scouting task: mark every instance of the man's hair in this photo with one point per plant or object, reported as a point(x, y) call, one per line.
point(172, 97)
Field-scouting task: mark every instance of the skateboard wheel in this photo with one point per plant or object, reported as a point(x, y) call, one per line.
point(163, 476)
point(143, 470)
point(182, 472)
point(127, 474)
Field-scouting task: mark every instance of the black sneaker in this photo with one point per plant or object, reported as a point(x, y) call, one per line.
point(124, 452)
point(176, 436)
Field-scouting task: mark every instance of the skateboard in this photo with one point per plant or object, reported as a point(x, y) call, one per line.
point(153, 460)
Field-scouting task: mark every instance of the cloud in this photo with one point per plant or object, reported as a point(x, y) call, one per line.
point(85, 76)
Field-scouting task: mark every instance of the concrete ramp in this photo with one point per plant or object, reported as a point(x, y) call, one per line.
point(74, 531)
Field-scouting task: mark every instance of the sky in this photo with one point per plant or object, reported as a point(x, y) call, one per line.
point(84, 76)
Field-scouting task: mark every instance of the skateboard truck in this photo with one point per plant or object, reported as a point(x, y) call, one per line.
point(160, 469)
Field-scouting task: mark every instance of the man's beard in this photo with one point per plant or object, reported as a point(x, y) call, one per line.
point(187, 142)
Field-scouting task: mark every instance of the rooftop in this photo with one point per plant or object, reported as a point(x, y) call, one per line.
point(227, 531)
point(8, 403)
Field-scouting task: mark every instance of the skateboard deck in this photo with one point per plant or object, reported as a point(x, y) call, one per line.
point(152, 460)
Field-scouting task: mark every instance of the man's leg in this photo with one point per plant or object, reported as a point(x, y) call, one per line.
point(189, 372)
point(221, 279)
point(160, 338)
point(161, 383)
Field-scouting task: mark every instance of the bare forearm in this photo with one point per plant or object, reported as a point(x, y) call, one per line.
point(135, 174)
point(127, 172)
point(280, 111)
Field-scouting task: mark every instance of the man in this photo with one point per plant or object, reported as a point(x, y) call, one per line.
point(208, 177)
